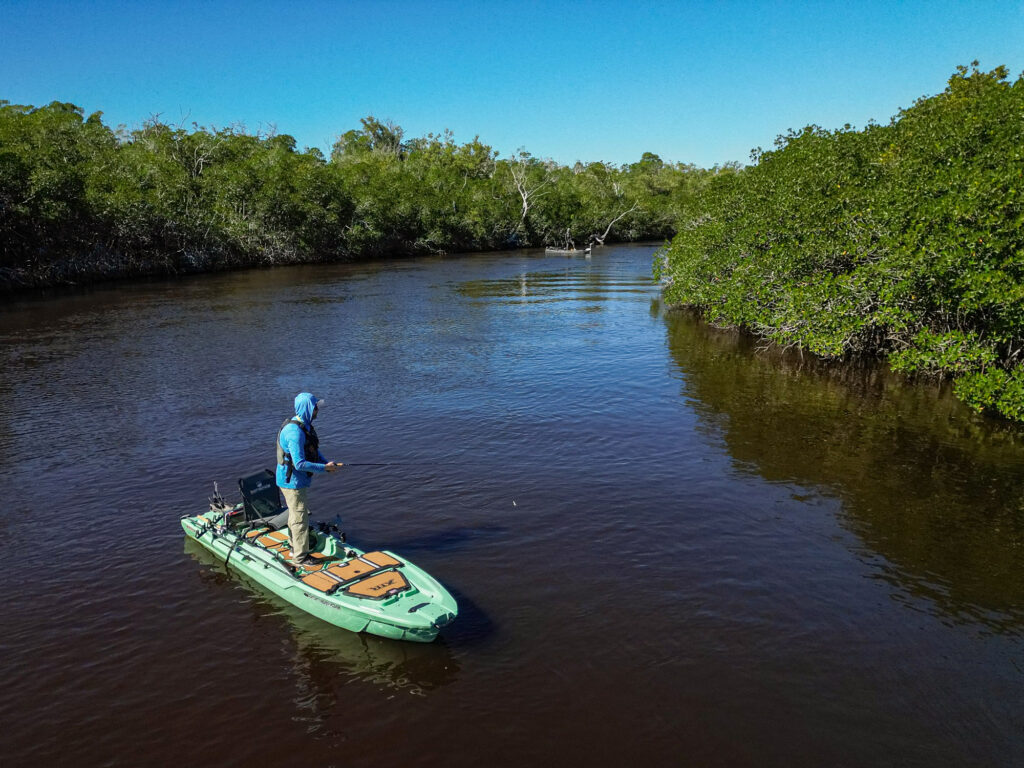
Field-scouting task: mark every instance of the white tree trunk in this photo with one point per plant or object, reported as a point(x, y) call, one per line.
point(600, 240)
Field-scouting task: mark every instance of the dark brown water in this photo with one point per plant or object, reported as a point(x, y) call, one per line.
point(669, 548)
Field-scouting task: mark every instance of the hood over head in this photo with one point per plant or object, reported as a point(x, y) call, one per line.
point(304, 405)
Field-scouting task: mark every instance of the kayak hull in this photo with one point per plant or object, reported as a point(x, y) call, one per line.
point(413, 613)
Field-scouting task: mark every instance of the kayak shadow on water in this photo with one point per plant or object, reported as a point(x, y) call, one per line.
point(445, 540)
point(473, 626)
point(323, 652)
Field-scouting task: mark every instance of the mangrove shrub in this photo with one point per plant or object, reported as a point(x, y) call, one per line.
point(902, 240)
point(81, 201)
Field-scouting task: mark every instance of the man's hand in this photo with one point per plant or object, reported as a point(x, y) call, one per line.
point(333, 466)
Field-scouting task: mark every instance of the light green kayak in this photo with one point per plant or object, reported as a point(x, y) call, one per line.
point(377, 592)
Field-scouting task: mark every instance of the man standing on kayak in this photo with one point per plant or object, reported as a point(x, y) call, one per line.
point(298, 457)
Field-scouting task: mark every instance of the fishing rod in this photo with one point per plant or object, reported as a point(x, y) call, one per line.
point(398, 464)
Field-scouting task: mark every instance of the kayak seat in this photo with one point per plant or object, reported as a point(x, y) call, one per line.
point(261, 499)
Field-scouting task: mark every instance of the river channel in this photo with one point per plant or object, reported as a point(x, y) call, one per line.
point(670, 545)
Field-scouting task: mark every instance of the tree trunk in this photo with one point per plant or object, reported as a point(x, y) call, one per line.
point(600, 240)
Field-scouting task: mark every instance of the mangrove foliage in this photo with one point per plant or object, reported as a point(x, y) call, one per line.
point(903, 240)
point(81, 201)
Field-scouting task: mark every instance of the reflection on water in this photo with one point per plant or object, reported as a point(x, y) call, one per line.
point(572, 285)
point(326, 657)
point(935, 490)
point(663, 542)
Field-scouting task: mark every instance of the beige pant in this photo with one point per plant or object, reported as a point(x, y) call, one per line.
point(298, 521)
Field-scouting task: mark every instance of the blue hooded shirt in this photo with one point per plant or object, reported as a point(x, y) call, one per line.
point(293, 441)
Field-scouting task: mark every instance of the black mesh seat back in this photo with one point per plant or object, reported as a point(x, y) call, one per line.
point(260, 495)
point(278, 522)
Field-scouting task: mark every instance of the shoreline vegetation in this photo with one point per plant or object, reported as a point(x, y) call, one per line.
point(82, 202)
point(902, 241)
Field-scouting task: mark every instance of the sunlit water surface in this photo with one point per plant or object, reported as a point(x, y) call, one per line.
point(669, 547)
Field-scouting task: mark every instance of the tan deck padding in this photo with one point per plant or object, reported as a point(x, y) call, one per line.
point(378, 585)
point(272, 540)
point(351, 569)
point(257, 532)
point(381, 559)
point(320, 580)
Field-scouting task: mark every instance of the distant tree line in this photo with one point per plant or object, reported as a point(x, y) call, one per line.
point(904, 241)
point(80, 201)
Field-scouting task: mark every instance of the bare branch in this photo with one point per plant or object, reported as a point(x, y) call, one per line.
point(600, 240)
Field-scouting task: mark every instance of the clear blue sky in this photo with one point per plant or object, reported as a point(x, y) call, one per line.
point(699, 82)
